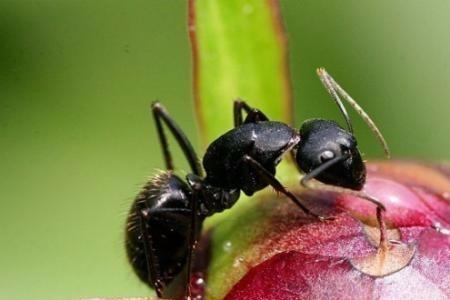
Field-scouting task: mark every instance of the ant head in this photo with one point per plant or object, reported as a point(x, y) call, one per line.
point(331, 151)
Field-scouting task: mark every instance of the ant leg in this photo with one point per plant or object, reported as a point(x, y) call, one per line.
point(167, 274)
point(160, 113)
point(253, 115)
point(306, 182)
point(334, 89)
point(384, 242)
point(194, 231)
point(152, 262)
point(238, 106)
point(271, 180)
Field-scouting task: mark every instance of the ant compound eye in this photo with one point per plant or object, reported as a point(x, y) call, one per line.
point(326, 155)
point(345, 150)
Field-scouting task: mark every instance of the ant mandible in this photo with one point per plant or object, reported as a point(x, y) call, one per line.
point(166, 217)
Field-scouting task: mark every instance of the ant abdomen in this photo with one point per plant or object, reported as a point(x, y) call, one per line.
point(158, 228)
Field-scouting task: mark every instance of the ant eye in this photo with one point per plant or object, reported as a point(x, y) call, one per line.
point(345, 149)
point(326, 155)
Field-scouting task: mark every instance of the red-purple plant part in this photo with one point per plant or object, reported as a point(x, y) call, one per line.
point(299, 258)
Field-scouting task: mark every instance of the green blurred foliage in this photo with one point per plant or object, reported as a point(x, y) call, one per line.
point(77, 140)
point(248, 61)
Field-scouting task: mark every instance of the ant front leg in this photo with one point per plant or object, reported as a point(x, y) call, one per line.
point(270, 179)
point(253, 115)
point(384, 242)
point(306, 182)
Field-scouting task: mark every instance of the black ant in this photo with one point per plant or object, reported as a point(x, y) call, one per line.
point(166, 217)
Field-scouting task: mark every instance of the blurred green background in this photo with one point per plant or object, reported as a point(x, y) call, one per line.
point(77, 140)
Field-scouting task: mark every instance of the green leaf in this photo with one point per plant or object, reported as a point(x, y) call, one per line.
point(239, 51)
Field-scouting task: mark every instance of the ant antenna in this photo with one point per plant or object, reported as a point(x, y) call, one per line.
point(331, 90)
point(335, 90)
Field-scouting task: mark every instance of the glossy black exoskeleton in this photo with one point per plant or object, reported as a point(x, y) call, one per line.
point(165, 219)
point(322, 141)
